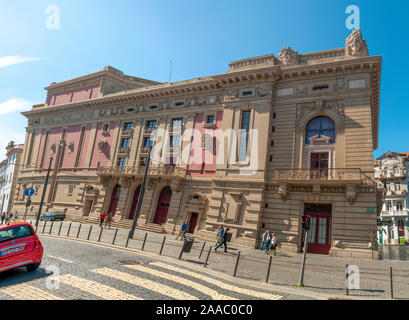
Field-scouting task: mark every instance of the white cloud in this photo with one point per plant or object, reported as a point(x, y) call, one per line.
point(12, 60)
point(15, 105)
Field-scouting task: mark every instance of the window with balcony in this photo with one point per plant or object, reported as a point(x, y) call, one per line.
point(320, 128)
point(121, 162)
point(143, 161)
point(396, 170)
point(397, 187)
point(125, 143)
point(388, 206)
point(210, 119)
point(399, 206)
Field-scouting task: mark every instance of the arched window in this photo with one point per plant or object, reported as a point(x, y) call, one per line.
point(320, 127)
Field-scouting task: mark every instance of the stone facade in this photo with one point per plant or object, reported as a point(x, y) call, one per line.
point(392, 172)
point(253, 119)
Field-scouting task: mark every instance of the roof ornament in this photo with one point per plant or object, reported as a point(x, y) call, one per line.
point(288, 56)
point(355, 44)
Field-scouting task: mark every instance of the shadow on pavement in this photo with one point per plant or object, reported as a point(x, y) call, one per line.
point(20, 275)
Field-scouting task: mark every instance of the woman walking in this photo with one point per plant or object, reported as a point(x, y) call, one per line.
point(109, 220)
point(274, 241)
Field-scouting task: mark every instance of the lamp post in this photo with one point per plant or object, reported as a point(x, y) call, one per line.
point(44, 191)
point(140, 198)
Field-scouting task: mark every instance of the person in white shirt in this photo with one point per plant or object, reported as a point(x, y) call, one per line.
point(265, 241)
point(274, 242)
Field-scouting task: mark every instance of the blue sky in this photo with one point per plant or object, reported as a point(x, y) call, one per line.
point(201, 37)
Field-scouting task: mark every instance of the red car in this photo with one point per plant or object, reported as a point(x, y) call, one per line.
point(19, 246)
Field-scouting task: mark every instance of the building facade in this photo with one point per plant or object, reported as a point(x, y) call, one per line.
point(391, 171)
point(255, 148)
point(9, 169)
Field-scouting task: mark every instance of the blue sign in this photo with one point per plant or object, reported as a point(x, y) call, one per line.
point(29, 192)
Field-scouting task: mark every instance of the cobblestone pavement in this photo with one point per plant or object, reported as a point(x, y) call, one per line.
point(323, 274)
point(91, 271)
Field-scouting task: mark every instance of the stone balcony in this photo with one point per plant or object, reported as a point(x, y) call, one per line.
point(170, 171)
point(394, 213)
point(323, 176)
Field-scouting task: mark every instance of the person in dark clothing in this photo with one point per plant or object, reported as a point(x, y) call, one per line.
point(223, 241)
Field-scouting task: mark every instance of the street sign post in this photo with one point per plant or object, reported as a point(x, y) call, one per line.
point(306, 220)
point(28, 192)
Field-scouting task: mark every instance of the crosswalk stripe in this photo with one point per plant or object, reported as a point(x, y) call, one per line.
point(197, 286)
point(27, 292)
point(145, 283)
point(218, 283)
point(95, 288)
point(61, 259)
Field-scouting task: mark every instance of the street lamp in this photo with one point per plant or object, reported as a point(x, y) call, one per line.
point(44, 191)
point(140, 197)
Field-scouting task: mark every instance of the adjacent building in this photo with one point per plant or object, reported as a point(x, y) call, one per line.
point(392, 172)
point(255, 148)
point(9, 169)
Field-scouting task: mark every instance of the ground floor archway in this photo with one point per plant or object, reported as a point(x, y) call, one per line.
point(113, 204)
point(162, 206)
point(132, 211)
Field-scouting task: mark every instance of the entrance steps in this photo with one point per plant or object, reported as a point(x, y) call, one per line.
point(123, 224)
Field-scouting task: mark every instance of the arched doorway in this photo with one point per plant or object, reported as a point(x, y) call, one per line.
point(134, 203)
point(162, 206)
point(114, 199)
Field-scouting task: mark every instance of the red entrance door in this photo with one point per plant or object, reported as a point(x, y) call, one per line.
point(319, 165)
point(319, 235)
point(163, 206)
point(114, 199)
point(134, 203)
point(193, 221)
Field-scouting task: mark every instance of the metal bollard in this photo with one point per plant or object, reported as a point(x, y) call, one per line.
point(127, 241)
point(163, 244)
point(45, 223)
point(51, 228)
point(144, 241)
point(59, 230)
point(390, 272)
point(79, 230)
point(201, 251)
point(69, 228)
point(89, 232)
point(183, 248)
point(100, 234)
point(208, 255)
point(113, 241)
point(237, 264)
point(346, 278)
point(268, 270)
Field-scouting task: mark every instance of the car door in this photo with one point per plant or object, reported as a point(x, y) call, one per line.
point(17, 241)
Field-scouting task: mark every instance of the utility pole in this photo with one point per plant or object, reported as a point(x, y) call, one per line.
point(140, 198)
point(44, 191)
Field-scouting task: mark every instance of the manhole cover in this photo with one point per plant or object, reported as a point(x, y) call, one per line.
point(129, 262)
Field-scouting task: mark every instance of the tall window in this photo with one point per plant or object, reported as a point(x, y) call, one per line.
point(151, 124)
point(399, 206)
point(128, 126)
point(244, 135)
point(121, 162)
point(147, 142)
point(320, 126)
point(125, 143)
point(143, 161)
point(177, 124)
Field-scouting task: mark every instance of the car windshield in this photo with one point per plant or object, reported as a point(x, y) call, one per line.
point(15, 232)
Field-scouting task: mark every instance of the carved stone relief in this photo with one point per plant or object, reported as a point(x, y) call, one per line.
point(320, 106)
point(288, 56)
point(355, 44)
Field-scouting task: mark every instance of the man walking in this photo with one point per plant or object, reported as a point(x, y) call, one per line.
point(102, 217)
point(219, 235)
point(265, 241)
point(182, 231)
point(223, 241)
point(109, 220)
point(3, 216)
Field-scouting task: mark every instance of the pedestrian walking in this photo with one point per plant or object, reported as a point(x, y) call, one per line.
point(265, 241)
point(182, 231)
point(223, 241)
point(7, 219)
point(102, 217)
point(15, 216)
point(3, 217)
point(219, 235)
point(109, 220)
point(274, 242)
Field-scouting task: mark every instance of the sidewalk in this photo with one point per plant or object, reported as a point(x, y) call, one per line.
point(323, 274)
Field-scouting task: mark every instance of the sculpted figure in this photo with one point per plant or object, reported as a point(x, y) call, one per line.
point(288, 56)
point(355, 44)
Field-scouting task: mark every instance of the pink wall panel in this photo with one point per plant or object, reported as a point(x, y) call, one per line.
point(74, 96)
point(72, 136)
point(208, 157)
point(40, 151)
point(54, 137)
point(87, 136)
point(98, 157)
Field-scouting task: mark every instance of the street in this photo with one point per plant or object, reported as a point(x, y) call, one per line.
point(95, 272)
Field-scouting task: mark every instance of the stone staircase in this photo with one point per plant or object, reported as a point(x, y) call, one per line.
point(123, 224)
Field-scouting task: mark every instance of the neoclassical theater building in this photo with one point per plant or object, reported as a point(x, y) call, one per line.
point(255, 148)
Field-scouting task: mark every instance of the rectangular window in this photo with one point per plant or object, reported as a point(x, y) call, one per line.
point(210, 119)
point(128, 126)
point(125, 143)
point(177, 124)
point(174, 141)
point(244, 135)
point(247, 93)
point(143, 161)
point(148, 142)
point(121, 162)
point(399, 206)
point(151, 124)
point(105, 127)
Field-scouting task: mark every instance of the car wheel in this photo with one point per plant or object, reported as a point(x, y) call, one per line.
point(33, 267)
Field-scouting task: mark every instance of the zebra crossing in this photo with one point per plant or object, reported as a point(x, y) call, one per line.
point(133, 282)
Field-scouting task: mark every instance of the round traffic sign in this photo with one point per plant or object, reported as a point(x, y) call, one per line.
point(29, 192)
